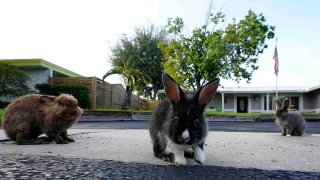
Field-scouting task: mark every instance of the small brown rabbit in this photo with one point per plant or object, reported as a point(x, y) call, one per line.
point(292, 123)
point(29, 116)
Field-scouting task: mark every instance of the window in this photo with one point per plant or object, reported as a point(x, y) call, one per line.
point(294, 103)
point(271, 103)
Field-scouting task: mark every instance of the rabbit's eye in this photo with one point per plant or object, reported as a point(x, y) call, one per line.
point(175, 119)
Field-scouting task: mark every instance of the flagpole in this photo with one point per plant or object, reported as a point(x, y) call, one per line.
point(276, 77)
point(277, 87)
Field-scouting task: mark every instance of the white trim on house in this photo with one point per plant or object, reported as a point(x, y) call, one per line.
point(255, 111)
point(222, 102)
point(311, 110)
point(235, 104)
point(249, 105)
point(301, 108)
point(262, 102)
point(267, 105)
point(228, 110)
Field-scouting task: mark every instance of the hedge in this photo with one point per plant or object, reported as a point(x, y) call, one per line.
point(81, 93)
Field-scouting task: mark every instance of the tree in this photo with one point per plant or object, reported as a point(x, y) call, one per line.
point(138, 60)
point(13, 81)
point(146, 40)
point(130, 75)
point(213, 51)
point(122, 60)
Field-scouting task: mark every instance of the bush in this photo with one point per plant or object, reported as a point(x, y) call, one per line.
point(3, 104)
point(81, 93)
point(1, 113)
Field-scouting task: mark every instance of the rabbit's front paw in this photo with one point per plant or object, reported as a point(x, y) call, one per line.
point(169, 157)
point(180, 160)
point(199, 155)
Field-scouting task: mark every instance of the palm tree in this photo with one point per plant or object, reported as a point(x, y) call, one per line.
point(130, 75)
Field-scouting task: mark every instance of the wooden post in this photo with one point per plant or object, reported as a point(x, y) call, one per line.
point(111, 97)
point(93, 92)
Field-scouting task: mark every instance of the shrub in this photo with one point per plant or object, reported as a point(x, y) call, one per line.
point(81, 93)
point(3, 104)
point(1, 113)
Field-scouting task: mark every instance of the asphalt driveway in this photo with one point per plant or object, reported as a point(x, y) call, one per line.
point(123, 150)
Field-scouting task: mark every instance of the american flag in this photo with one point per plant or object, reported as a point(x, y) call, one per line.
point(276, 61)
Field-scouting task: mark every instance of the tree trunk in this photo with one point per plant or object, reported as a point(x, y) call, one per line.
point(197, 78)
point(155, 91)
point(127, 99)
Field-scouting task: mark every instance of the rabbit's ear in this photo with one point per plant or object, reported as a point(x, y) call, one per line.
point(44, 99)
point(205, 94)
point(285, 104)
point(172, 89)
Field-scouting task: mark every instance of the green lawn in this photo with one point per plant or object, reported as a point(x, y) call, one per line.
point(119, 110)
point(1, 112)
point(232, 114)
point(206, 113)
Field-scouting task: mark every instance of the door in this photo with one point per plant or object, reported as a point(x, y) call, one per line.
point(242, 104)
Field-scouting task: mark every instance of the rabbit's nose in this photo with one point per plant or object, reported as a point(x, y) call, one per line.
point(185, 136)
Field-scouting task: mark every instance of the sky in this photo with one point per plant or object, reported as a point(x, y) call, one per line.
point(78, 34)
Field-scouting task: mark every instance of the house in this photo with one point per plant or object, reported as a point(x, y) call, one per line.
point(40, 71)
point(227, 99)
point(101, 94)
point(258, 100)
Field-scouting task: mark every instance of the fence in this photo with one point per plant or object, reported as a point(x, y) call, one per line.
point(101, 93)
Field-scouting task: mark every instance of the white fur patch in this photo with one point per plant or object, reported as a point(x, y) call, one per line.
point(177, 150)
point(199, 154)
point(185, 134)
point(180, 159)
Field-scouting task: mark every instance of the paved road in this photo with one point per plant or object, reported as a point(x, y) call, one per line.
point(270, 127)
point(50, 167)
point(111, 151)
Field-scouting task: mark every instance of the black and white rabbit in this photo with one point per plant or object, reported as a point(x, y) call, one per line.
point(292, 123)
point(178, 128)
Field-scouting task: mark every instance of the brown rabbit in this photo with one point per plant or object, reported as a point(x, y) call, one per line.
point(291, 123)
point(29, 116)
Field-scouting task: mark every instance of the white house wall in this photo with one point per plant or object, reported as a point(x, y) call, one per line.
point(256, 102)
point(38, 76)
point(215, 104)
point(312, 101)
point(229, 103)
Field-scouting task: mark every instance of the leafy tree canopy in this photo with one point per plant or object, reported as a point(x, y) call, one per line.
point(13, 81)
point(138, 60)
point(215, 50)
